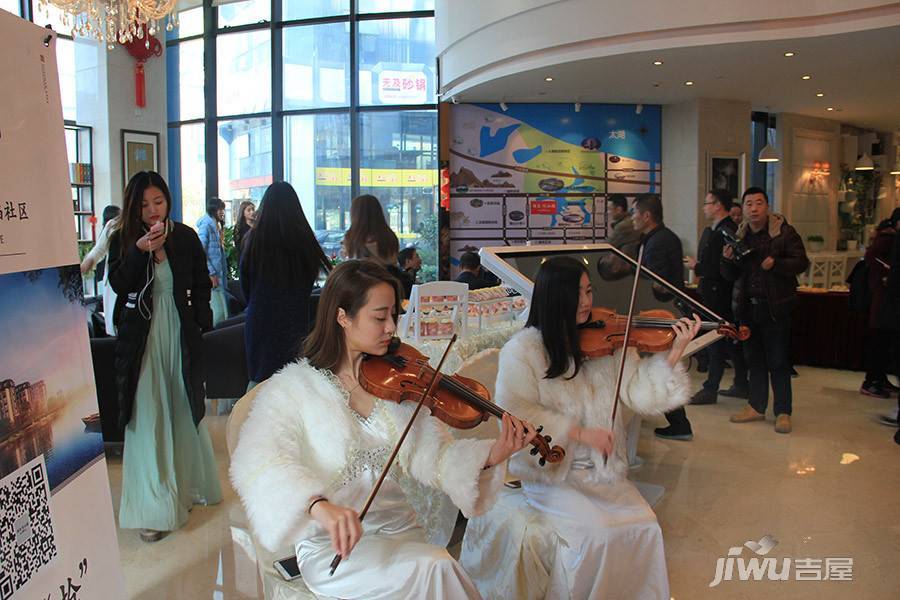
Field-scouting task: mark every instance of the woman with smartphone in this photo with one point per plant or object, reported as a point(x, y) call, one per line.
point(159, 272)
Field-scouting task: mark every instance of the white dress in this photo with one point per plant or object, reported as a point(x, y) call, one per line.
point(301, 440)
point(605, 540)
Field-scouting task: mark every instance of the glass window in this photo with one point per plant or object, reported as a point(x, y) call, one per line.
point(244, 13)
point(244, 72)
point(190, 22)
point(47, 14)
point(185, 61)
point(65, 65)
point(396, 61)
point(187, 176)
point(311, 9)
point(317, 164)
point(398, 165)
point(245, 161)
point(11, 6)
point(381, 6)
point(317, 66)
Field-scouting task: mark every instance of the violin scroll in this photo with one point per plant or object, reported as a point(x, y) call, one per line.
point(730, 331)
point(548, 454)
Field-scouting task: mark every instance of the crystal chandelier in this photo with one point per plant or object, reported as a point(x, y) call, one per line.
point(111, 21)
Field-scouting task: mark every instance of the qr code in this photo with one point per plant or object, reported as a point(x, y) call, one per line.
point(26, 532)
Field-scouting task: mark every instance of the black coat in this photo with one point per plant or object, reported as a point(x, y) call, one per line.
point(714, 288)
point(129, 275)
point(780, 282)
point(663, 255)
point(890, 313)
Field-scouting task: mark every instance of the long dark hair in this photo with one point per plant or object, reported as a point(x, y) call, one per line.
point(282, 246)
point(554, 304)
point(131, 226)
point(347, 287)
point(241, 225)
point(213, 206)
point(367, 223)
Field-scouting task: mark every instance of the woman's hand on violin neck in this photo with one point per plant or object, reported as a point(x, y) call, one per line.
point(342, 524)
point(515, 434)
point(685, 330)
point(597, 438)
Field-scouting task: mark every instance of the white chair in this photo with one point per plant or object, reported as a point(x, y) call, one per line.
point(446, 300)
point(274, 586)
point(837, 270)
point(817, 274)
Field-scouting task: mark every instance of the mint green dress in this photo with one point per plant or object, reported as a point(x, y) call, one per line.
point(168, 464)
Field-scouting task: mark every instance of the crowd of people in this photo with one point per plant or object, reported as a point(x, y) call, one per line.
point(316, 439)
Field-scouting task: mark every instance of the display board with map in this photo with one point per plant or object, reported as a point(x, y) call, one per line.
point(541, 173)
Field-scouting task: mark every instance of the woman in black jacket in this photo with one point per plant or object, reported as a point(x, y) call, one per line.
point(158, 270)
point(280, 263)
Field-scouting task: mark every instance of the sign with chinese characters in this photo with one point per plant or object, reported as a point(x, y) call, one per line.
point(52, 464)
point(402, 87)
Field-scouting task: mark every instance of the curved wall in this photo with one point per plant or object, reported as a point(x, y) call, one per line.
point(478, 41)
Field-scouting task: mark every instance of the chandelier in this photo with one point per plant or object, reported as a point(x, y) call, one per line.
point(111, 21)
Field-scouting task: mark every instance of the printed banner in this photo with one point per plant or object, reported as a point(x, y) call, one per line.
point(52, 466)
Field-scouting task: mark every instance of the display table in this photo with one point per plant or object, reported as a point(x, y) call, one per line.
point(826, 333)
point(466, 347)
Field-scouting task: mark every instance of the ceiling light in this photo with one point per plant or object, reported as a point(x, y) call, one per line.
point(896, 169)
point(768, 154)
point(638, 109)
point(548, 79)
point(865, 163)
point(504, 107)
point(830, 108)
point(578, 107)
point(788, 54)
point(688, 83)
point(657, 62)
point(819, 94)
point(806, 77)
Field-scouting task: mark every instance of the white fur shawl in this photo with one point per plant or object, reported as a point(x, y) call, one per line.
point(296, 442)
point(649, 386)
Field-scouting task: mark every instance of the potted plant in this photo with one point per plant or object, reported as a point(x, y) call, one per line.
point(815, 243)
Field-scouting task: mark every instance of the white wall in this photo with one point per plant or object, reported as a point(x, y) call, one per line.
point(479, 41)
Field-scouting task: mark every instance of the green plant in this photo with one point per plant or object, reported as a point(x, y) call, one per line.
point(231, 254)
point(865, 185)
point(815, 238)
point(428, 248)
point(83, 249)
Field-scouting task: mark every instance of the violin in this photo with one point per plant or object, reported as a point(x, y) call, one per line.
point(403, 374)
point(604, 333)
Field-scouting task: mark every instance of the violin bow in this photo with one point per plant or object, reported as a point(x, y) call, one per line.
point(390, 461)
point(634, 286)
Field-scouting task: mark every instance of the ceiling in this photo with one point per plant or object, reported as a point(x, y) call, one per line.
point(859, 74)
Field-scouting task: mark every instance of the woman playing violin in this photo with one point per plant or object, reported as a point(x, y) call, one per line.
point(316, 441)
point(609, 543)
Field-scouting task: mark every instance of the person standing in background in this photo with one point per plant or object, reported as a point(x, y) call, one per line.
point(622, 235)
point(280, 264)
point(765, 293)
point(97, 257)
point(369, 235)
point(662, 255)
point(409, 262)
point(209, 228)
point(246, 218)
point(716, 291)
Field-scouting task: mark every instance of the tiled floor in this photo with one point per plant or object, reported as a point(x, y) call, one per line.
point(831, 489)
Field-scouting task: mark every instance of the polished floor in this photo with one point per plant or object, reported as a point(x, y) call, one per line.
point(831, 489)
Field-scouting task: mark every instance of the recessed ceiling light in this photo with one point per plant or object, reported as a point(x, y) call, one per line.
point(548, 79)
point(819, 94)
point(788, 54)
point(830, 108)
point(657, 62)
point(806, 77)
point(688, 83)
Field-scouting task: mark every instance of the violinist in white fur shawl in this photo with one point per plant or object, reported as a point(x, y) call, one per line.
point(609, 544)
point(315, 443)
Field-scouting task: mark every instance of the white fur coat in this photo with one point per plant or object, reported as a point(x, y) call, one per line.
point(649, 387)
point(297, 439)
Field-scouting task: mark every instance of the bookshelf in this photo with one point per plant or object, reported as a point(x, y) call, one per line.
point(79, 146)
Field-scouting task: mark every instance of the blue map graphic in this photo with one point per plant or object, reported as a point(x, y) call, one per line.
point(494, 143)
point(525, 154)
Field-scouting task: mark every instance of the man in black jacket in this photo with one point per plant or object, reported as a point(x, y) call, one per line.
point(716, 293)
point(765, 293)
point(662, 255)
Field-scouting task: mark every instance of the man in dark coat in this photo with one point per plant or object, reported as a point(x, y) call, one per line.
point(716, 293)
point(662, 255)
point(765, 293)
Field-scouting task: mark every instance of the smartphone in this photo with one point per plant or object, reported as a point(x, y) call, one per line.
point(287, 568)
